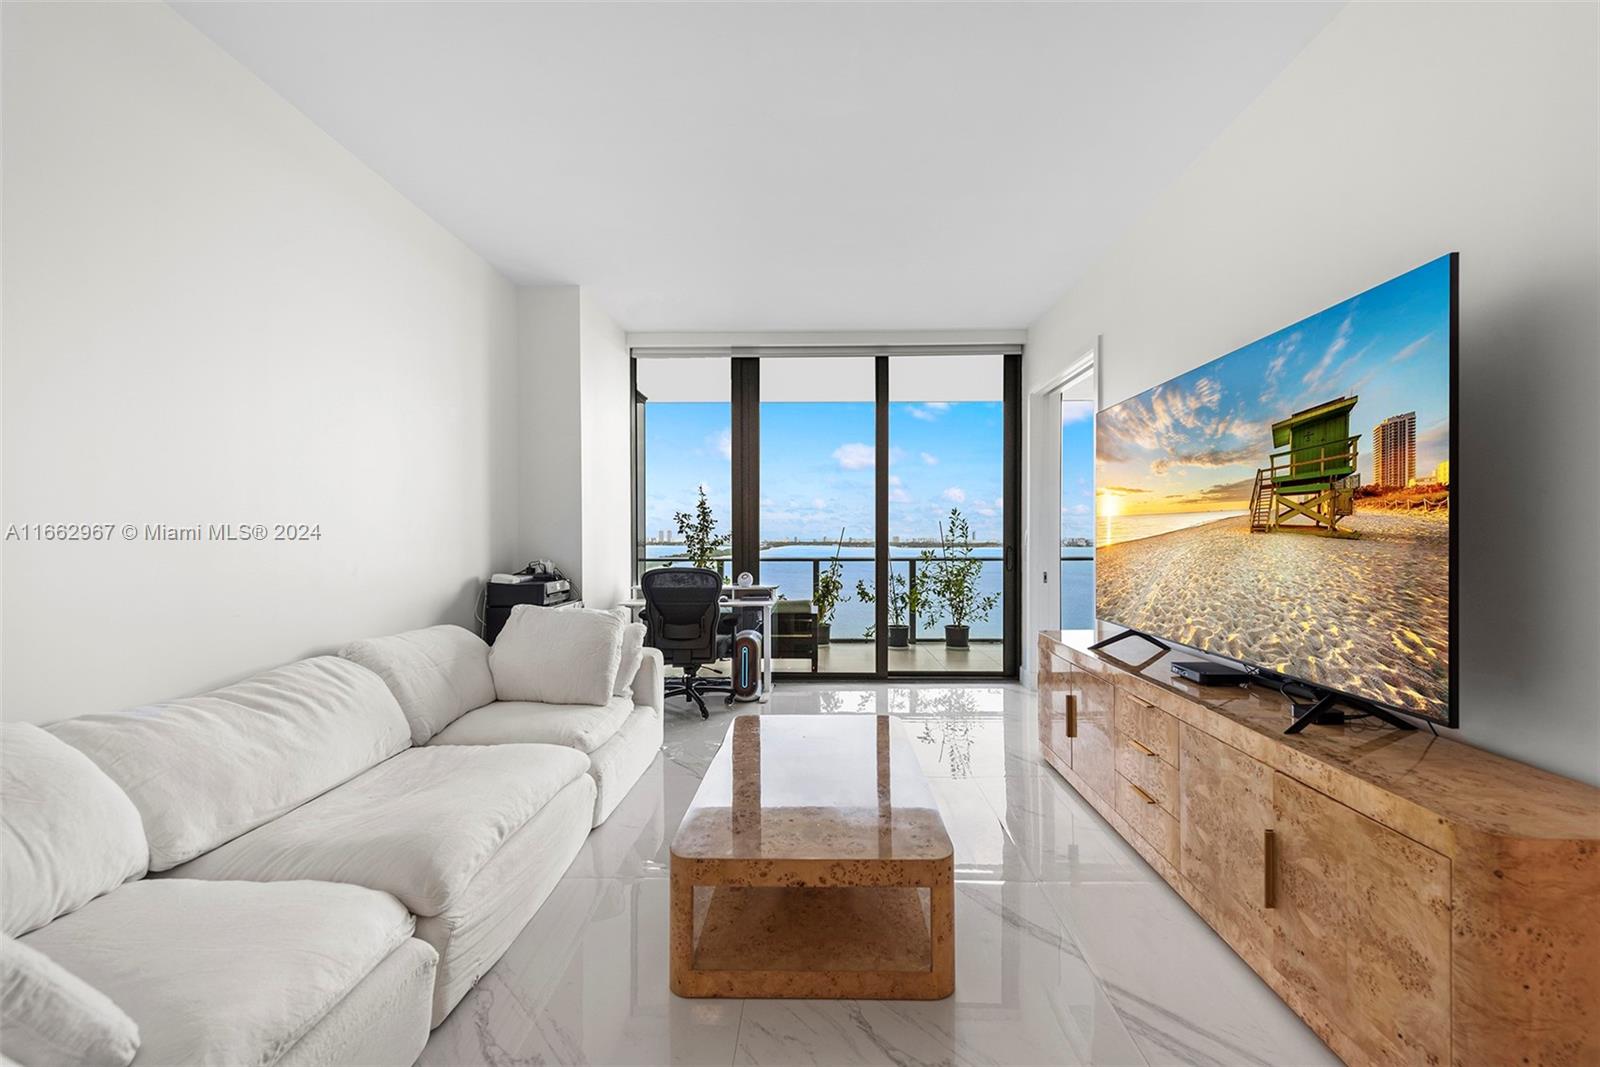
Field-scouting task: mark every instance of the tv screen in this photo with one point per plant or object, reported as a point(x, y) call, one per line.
point(1288, 505)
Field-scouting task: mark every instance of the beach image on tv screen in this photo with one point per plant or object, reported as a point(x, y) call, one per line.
point(1288, 504)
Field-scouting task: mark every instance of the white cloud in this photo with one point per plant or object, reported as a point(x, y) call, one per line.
point(855, 456)
point(930, 459)
point(929, 411)
point(1340, 339)
point(1076, 411)
point(955, 494)
point(725, 443)
point(819, 503)
point(1411, 349)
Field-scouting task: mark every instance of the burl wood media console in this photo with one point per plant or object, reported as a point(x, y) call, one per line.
point(1412, 898)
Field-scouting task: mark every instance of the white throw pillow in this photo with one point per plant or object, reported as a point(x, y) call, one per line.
point(51, 1016)
point(557, 655)
point(67, 832)
point(633, 635)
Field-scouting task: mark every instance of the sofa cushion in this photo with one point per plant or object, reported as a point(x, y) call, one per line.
point(67, 833)
point(225, 972)
point(437, 674)
point(51, 1016)
point(419, 825)
point(584, 727)
point(557, 655)
point(205, 769)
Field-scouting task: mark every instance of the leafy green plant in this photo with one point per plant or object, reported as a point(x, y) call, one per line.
point(701, 542)
point(902, 601)
point(954, 578)
point(829, 593)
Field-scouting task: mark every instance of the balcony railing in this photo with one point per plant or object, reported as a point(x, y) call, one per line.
point(1077, 595)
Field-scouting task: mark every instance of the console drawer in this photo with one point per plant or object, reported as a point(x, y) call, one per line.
point(1144, 813)
point(1140, 765)
point(1149, 725)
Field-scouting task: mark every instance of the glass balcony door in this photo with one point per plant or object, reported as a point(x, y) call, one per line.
point(950, 592)
point(817, 504)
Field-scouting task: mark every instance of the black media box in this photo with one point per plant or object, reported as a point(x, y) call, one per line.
point(1203, 673)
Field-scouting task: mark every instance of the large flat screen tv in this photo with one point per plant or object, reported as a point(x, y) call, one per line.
point(1288, 506)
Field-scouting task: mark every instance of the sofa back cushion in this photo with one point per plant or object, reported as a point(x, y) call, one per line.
point(437, 674)
point(51, 1016)
point(205, 769)
point(67, 832)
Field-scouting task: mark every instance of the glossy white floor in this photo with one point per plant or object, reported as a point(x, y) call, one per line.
point(1069, 949)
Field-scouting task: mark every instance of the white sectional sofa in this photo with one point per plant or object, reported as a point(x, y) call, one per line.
point(310, 866)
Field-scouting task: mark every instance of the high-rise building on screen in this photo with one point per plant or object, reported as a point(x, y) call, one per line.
point(1394, 450)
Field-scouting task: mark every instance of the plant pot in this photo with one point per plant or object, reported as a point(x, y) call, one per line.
point(824, 629)
point(899, 636)
point(955, 636)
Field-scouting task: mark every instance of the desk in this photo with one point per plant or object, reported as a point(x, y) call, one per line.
point(765, 606)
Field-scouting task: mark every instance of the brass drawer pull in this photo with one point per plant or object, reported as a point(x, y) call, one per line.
point(1138, 745)
point(1146, 797)
point(1140, 700)
point(1072, 715)
point(1269, 893)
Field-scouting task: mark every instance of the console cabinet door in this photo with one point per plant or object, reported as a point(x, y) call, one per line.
point(1094, 750)
point(1225, 813)
point(1057, 704)
point(1361, 927)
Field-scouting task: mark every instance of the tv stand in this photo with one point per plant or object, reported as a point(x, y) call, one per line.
point(1322, 712)
point(1413, 899)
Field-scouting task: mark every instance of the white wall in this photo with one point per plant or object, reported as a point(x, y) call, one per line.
point(576, 458)
point(1404, 131)
point(550, 485)
point(607, 456)
point(213, 314)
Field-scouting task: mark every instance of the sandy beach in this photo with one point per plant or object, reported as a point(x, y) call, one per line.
point(1366, 615)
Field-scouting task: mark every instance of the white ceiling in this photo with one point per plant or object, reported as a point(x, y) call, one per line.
point(777, 166)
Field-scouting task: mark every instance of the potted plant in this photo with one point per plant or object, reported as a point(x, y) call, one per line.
point(954, 582)
point(829, 593)
point(901, 602)
point(701, 542)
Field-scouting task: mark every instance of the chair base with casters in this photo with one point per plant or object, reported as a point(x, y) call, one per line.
point(694, 686)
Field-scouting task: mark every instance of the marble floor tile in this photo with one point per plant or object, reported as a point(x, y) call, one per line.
point(1024, 995)
point(984, 851)
point(1184, 994)
point(1059, 837)
point(586, 983)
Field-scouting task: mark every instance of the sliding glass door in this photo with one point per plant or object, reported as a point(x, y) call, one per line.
point(818, 476)
point(947, 515)
point(832, 476)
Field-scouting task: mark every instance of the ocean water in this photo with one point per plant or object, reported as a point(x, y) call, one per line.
point(851, 618)
point(1110, 529)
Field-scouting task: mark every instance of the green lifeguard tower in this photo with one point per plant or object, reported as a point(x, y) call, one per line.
point(1313, 478)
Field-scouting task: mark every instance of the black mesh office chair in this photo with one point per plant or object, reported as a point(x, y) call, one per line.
point(683, 618)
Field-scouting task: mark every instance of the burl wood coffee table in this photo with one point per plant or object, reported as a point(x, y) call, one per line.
point(813, 863)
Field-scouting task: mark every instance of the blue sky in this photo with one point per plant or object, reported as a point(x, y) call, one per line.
point(1194, 444)
point(817, 466)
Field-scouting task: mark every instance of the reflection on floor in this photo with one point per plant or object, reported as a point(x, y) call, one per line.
point(1069, 949)
point(924, 657)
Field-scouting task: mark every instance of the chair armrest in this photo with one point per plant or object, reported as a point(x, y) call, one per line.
point(649, 684)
